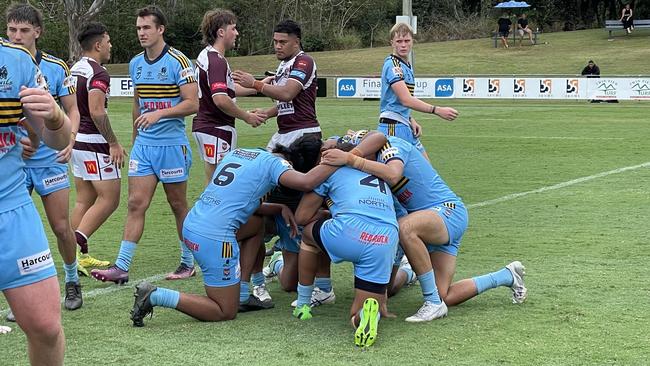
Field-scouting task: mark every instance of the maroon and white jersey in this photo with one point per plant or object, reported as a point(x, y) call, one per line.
point(213, 73)
point(90, 75)
point(301, 111)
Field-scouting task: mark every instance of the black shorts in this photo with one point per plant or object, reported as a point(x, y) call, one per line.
point(504, 34)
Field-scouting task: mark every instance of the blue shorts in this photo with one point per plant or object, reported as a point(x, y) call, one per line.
point(219, 260)
point(402, 131)
point(171, 164)
point(25, 256)
point(47, 180)
point(371, 248)
point(454, 215)
point(286, 242)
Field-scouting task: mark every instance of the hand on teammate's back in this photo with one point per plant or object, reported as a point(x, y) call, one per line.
point(446, 113)
point(117, 154)
point(334, 157)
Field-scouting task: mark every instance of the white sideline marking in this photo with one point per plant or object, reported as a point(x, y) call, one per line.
point(105, 290)
point(114, 288)
point(557, 186)
point(531, 137)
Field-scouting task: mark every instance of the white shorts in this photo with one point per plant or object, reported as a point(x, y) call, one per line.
point(91, 159)
point(213, 147)
point(286, 139)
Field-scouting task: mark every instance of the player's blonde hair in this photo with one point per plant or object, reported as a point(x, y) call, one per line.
point(213, 20)
point(401, 29)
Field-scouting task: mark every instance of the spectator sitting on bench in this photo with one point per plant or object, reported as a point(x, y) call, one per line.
point(504, 29)
point(626, 18)
point(522, 29)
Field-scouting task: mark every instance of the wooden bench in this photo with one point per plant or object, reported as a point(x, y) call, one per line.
point(497, 38)
point(612, 25)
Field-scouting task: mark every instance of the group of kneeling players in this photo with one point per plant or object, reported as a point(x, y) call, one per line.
point(367, 197)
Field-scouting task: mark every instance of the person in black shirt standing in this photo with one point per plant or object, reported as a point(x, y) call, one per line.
point(504, 29)
point(522, 29)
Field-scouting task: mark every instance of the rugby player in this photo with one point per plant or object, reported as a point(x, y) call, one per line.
point(362, 230)
point(243, 177)
point(97, 155)
point(213, 126)
point(47, 171)
point(431, 232)
point(397, 89)
point(294, 89)
point(165, 92)
point(28, 277)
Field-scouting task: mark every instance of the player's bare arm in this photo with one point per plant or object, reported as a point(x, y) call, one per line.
point(283, 93)
point(69, 103)
point(226, 104)
point(135, 113)
point(96, 100)
point(271, 209)
point(308, 208)
point(406, 99)
point(390, 172)
point(306, 181)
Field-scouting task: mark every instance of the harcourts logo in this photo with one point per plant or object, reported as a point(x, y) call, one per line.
point(444, 88)
point(35, 263)
point(347, 87)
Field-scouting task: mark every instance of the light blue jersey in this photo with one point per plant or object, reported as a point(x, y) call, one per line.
point(421, 187)
point(395, 69)
point(17, 68)
point(157, 85)
point(25, 257)
point(351, 192)
point(60, 84)
point(239, 182)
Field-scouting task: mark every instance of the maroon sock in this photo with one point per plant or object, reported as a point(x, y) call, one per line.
point(82, 242)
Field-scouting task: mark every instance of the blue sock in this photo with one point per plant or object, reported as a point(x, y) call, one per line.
point(277, 267)
point(429, 289)
point(187, 258)
point(71, 272)
point(244, 291)
point(165, 297)
point(488, 281)
point(304, 294)
point(257, 279)
point(323, 283)
point(409, 273)
point(124, 257)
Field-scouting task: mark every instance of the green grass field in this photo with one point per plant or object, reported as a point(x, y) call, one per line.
point(584, 244)
point(560, 186)
point(563, 53)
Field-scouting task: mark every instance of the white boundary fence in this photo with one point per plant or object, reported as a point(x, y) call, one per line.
point(496, 87)
point(493, 87)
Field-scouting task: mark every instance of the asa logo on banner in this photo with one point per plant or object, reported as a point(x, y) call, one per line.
point(347, 87)
point(444, 88)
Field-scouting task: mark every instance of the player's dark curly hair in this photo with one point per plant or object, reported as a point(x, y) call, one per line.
point(304, 153)
point(288, 26)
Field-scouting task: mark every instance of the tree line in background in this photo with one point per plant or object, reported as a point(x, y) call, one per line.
point(326, 24)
